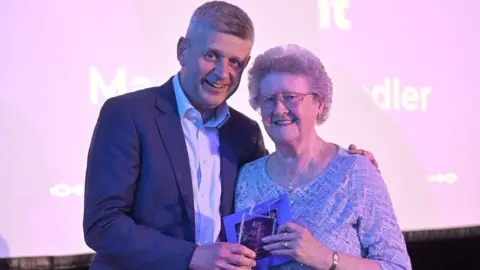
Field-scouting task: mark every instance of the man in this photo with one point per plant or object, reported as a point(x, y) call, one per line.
point(163, 161)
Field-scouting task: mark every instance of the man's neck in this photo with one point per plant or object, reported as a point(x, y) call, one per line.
point(206, 112)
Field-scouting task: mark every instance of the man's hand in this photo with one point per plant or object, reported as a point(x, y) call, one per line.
point(222, 256)
point(353, 149)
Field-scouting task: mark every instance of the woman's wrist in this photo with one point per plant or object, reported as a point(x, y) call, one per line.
point(324, 260)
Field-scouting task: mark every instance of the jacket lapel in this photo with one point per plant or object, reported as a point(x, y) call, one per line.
point(228, 171)
point(170, 128)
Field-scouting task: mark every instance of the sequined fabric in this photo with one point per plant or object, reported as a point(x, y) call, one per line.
point(347, 208)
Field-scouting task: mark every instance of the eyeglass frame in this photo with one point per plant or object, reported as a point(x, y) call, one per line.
point(301, 96)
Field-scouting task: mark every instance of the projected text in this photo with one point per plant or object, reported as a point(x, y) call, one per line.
point(445, 178)
point(392, 95)
point(333, 11)
point(119, 84)
point(64, 190)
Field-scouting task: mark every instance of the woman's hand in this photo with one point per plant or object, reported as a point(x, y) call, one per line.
point(297, 242)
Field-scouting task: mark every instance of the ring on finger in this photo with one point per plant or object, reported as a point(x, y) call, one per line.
point(285, 244)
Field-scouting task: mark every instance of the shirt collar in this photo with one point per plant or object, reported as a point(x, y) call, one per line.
point(222, 112)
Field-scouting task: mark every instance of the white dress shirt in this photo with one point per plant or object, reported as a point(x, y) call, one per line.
point(204, 158)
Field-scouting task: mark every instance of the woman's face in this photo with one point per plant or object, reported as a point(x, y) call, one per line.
point(288, 106)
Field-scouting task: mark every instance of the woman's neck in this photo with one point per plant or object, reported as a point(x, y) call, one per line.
point(295, 166)
point(294, 158)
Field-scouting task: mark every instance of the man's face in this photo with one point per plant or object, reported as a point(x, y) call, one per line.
point(212, 66)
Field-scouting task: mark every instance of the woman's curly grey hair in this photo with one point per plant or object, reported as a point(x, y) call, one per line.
point(296, 60)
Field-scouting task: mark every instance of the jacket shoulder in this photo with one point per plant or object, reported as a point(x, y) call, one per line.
point(241, 122)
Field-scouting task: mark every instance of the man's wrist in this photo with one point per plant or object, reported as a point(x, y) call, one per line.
point(193, 260)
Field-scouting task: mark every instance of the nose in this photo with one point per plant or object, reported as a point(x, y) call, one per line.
point(222, 69)
point(279, 107)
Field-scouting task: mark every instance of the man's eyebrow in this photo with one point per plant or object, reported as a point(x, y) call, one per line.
point(218, 52)
point(215, 51)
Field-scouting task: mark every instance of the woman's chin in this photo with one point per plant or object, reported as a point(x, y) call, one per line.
point(283, 138)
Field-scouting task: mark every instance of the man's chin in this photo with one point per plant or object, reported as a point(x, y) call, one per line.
point(214, 101)
point(209, 104)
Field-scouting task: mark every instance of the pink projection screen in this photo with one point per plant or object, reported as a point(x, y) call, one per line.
point(405, 89)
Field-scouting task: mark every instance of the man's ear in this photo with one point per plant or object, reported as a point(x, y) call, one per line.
point(182, 46)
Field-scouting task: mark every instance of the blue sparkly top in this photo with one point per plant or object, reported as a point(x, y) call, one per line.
point(347, 208)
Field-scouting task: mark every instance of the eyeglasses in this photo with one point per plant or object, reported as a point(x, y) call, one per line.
point(289, 100)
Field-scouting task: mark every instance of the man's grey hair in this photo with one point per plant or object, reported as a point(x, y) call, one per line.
point(223, 17)
point(295, 60)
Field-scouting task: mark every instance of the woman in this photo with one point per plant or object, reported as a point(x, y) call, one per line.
point(342, 213)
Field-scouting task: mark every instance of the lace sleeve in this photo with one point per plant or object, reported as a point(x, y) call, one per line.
point(378, 228)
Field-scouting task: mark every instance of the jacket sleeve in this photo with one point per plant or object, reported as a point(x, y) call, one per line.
point(112, 171)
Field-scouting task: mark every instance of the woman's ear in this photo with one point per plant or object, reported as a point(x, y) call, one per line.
point(320, 109)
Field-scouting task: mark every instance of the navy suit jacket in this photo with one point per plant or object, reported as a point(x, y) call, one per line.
point(139, 211)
